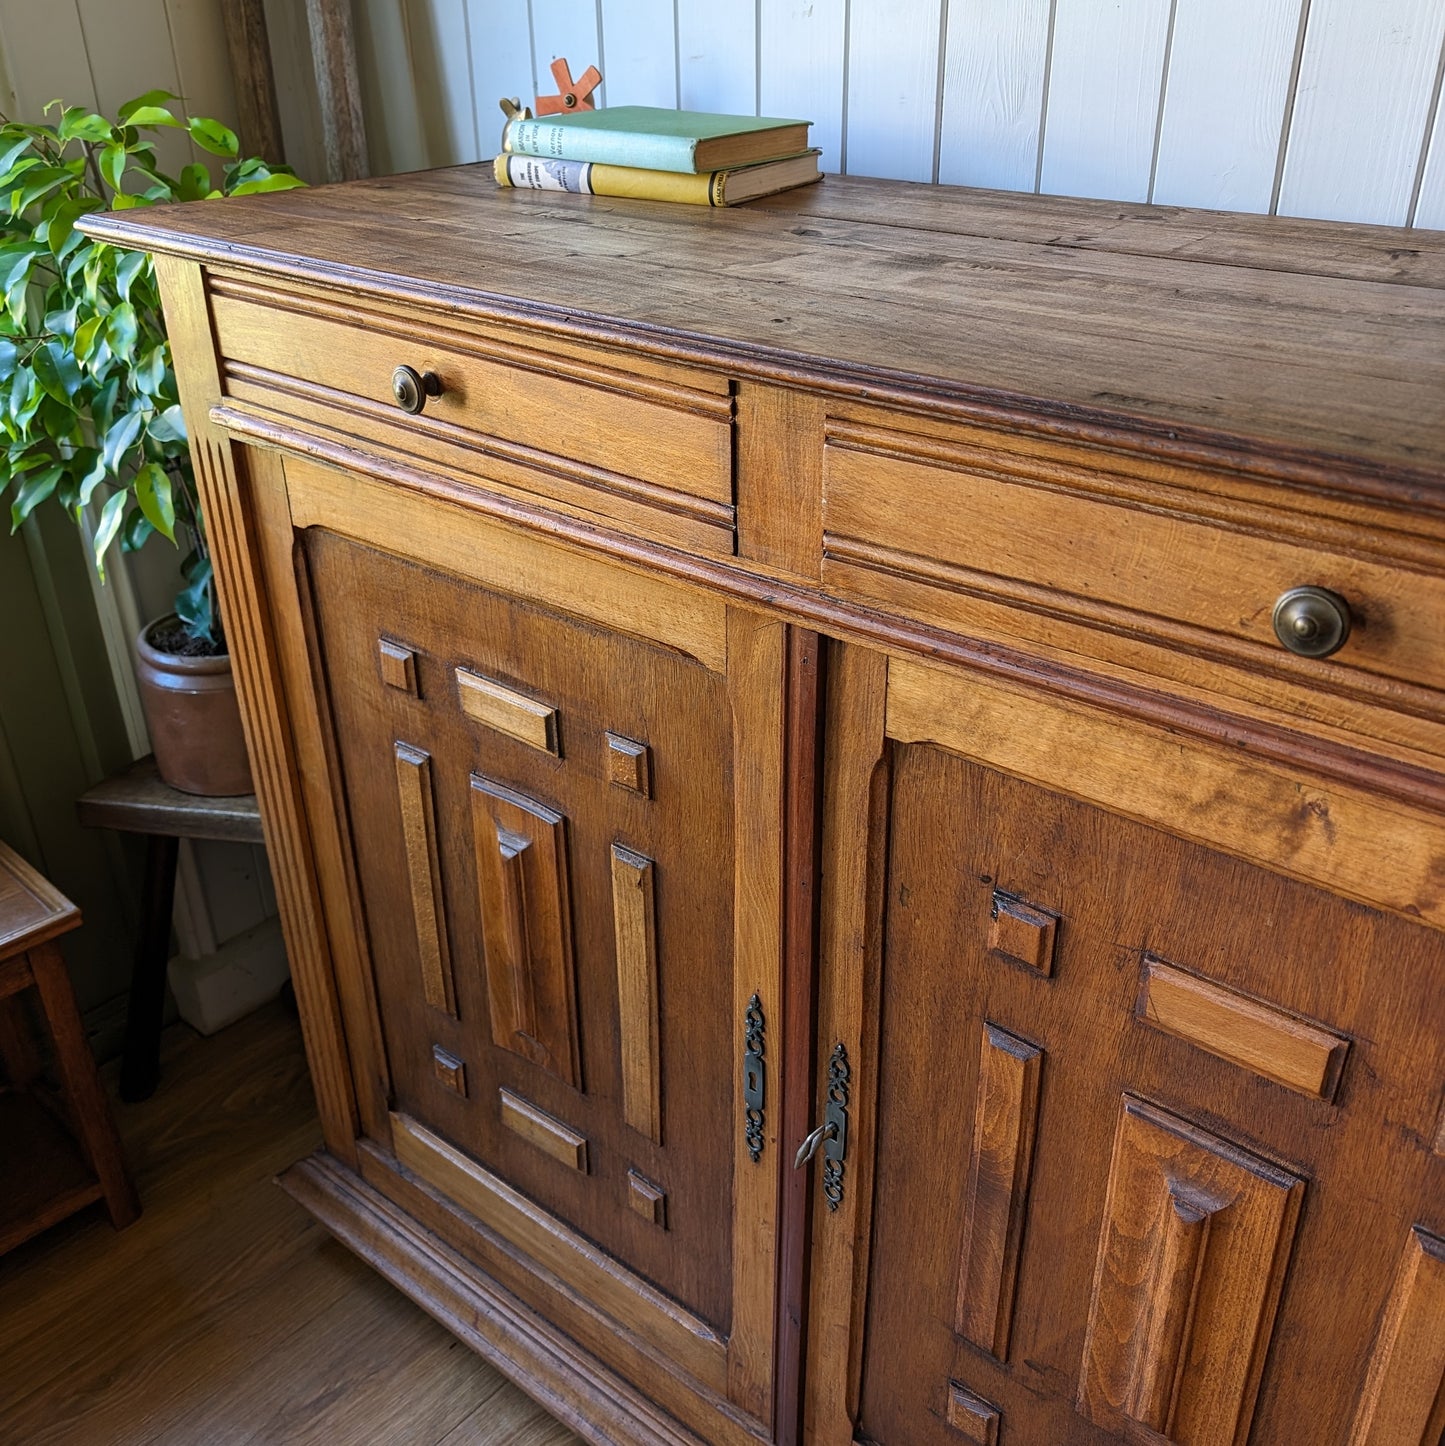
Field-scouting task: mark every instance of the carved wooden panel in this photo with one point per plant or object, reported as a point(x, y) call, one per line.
point(1248, 1032)
point(524, 842)
point(521, 852)
point(1191, 1257)
point(1209, 1265)
point(508, 711)
point(419, 837)
point(1005, 1108)
point(635, 932)
point(1403, 1403)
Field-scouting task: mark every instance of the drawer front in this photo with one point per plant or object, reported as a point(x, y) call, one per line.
point(567, 429)
point(1126, 569)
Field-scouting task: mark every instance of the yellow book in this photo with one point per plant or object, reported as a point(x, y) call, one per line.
point(711, 188)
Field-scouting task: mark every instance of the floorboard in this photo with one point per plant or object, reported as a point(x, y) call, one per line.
point(225, 1314)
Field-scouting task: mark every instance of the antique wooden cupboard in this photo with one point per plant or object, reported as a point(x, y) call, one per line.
point(835, 675)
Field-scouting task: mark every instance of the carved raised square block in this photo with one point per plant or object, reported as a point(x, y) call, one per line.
point(398, 666)
point(629, 764)
point(1022, 932)
point(449, 1070)
point(1291, 1051)
point(418, 832)
point(649, 1200)
point(522, 879)
point(508, 711)
point(971, 1416)
point(1004, 1117)
point(1403, 1403)
point(548, 1134)
point(1195, 1238)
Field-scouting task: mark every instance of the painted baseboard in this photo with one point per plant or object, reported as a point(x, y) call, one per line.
point(242, 975)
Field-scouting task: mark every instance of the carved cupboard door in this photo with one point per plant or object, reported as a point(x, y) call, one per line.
point(1111, 1156)
point(556, 781)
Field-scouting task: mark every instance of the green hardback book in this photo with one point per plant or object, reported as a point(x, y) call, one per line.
point(656, 139)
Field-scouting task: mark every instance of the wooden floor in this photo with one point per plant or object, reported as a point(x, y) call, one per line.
point(225, 1315)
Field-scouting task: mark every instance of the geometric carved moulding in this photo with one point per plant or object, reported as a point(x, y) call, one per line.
point(1021, 932)
point(521, 860)
point(1191, 1259)
point(1291, 1051)
point(419, 841)
point(508, 711)
point(1403, 1403)
point(1005, 1113)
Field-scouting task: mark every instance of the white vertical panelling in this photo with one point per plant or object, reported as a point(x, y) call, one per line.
point(1430, 209)
point(993, 92)
point(130, 52)
point(566, 28)
point(386, 71)
point(296, 89)
point(1224, 102)
point(46, 49)
point(892, 109)
point(441, 56)
point(198, 38)
point(1366, 82)
point(501, 41)
point(801, 46)
point(639, 38)
point(717, 55)
point(1104, 84)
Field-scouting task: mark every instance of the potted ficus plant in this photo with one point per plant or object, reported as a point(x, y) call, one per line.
point(89, 412)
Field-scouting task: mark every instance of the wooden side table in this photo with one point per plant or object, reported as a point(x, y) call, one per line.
point(138, 801)
point(49, 1172)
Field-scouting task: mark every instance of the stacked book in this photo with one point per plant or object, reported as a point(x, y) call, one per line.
point(653, 154)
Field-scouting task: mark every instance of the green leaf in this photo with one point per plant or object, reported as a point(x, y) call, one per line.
point(278, 181)
point(122, 329)
point(56, 371)
point(153, 494)
point(60, 225)
point(9, 353)
point(85, 338)
point(136, 532)
point(111, 516)
point(195, 182)
point(194, 602)
point(212, 136)
point(152, 370)
point(77, 123)
point(13, 152)
point(126, 114)
point(151, 115)
point(120, 439)
point(112, 164)
point(32, 491)
point(91, 477)
point(169, 426)
point(39, 182)
point(130, 265)
point(121, 202)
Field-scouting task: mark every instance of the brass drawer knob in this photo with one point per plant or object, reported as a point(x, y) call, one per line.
point(411, 388)
point(1312, 621)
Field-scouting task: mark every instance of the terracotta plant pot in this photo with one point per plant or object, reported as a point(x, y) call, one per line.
point(194, 721)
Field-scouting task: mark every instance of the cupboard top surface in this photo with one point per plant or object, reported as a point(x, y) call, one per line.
point(1320, 344)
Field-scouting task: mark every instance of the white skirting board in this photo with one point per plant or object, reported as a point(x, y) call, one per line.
point(241, 976)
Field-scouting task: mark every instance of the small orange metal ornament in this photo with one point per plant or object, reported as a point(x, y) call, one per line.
point(572, 94)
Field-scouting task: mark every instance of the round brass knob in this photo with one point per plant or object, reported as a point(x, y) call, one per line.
point(1312, 621)
point(411, 388)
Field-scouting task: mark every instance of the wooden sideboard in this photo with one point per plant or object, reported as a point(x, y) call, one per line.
point(729, 684)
